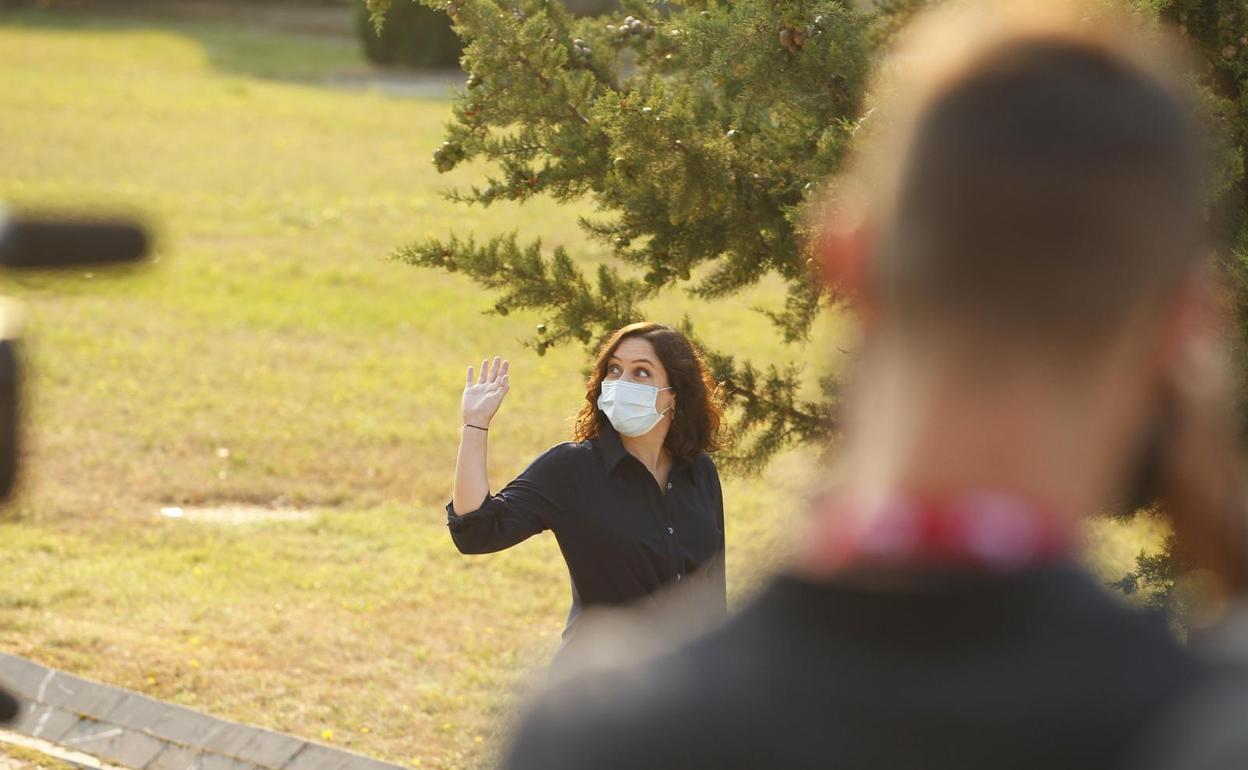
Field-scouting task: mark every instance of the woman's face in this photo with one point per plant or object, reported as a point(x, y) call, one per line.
point(635, 360)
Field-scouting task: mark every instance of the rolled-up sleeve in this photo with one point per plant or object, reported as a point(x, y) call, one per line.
point(523, 508)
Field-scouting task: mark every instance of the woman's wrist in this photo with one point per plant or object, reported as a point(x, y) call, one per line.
point(476, 425)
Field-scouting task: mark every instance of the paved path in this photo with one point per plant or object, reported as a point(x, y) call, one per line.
point(332, 21)
point(430, 84)
point(112, 725)
point(328, 21)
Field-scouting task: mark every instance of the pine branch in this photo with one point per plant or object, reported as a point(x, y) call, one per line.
point(555, 286)
point(1156, 576)
point(768, 415)
point(802, 306)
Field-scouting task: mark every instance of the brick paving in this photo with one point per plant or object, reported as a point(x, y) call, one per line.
point(126, 728)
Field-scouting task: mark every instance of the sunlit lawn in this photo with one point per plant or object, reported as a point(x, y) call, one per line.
point(274, 357)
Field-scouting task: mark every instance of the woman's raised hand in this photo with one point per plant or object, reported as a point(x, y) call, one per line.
point(485, 394)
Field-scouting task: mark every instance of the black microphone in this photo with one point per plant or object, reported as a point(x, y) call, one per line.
point(8, 707)
point(44, 242)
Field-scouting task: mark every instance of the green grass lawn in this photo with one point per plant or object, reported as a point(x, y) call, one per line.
point(273, 356)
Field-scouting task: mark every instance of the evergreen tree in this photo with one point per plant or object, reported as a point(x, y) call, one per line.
point(699, 130)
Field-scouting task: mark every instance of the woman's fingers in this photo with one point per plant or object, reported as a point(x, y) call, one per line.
point(491, 373)
point(506, 382)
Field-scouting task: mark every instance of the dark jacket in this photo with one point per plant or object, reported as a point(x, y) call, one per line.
point(1039, 670)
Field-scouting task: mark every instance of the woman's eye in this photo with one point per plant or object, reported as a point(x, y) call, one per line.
point(643, 373)
point(614, 370)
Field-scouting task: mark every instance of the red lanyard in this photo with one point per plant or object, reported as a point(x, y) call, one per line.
point(984, 532)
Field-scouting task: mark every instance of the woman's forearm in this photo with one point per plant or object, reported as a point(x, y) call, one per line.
point(482, 398)
point(472, 482)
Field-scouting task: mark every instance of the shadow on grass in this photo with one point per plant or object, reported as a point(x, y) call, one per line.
point(320, 50)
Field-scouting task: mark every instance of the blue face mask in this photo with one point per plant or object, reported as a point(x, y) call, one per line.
point(631, 406)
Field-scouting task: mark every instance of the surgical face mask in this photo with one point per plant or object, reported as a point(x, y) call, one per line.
point(630, 406)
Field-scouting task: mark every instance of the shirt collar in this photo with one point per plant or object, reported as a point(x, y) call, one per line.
point(610, 447)
point(612, 450)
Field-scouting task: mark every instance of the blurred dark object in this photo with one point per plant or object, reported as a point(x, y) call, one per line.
point(8, 707)
point(414, 35)
point(40, 243)
point(1205, 730)
point(1146, 486)
point(943, 671)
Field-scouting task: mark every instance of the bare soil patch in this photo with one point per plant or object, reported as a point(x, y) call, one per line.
point(235, 515)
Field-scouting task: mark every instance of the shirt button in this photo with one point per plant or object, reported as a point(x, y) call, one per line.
point(671, 531)
point(669, 485)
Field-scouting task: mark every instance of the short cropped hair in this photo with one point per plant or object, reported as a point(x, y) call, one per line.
point(1047, 184)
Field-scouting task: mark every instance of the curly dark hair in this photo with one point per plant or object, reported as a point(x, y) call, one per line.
point(696, 423)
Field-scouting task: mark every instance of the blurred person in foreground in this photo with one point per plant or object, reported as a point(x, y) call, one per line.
point(1023, 232)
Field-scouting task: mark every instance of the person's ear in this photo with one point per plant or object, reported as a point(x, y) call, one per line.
point(1189, 322)
point(1200, 470)
point(844, 250)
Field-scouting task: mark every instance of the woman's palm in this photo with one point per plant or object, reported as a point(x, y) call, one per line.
point(485, 394)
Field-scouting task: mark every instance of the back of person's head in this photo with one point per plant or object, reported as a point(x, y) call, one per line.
point(1033, 176)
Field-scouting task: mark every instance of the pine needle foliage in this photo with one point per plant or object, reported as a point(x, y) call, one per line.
point(699, 131)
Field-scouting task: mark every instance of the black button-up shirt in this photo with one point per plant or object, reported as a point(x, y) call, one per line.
point(622, 537)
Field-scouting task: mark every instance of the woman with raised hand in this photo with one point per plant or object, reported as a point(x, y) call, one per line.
point(634, 500)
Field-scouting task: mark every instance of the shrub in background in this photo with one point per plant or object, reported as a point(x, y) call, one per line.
point(413, 35)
